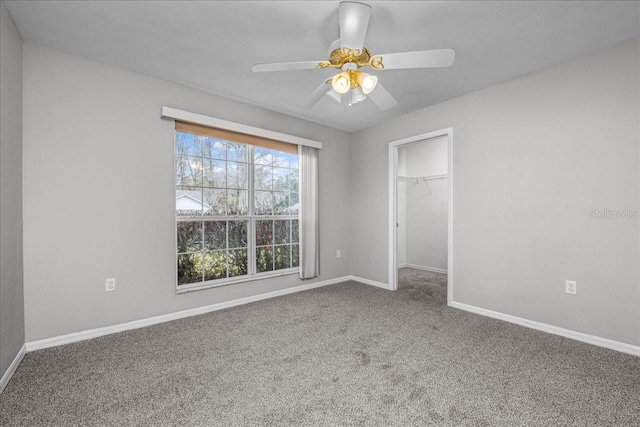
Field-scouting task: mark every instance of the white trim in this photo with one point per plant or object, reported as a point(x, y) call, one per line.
point(107, 330)
point(371, 282)
point(578, 336)
point(98, 332)
point(393, 214)
point(12, 368)
point(450, 218)
point(186, 116)
point(422, 267)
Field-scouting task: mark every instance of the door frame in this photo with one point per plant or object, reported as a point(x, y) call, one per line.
point(393, 202)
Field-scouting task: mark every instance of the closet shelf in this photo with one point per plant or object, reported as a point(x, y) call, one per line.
point(418, 179)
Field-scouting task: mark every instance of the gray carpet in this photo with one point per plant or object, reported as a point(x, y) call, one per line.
point(346, 354)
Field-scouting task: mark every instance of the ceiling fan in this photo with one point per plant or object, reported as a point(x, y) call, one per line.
point(349, 55)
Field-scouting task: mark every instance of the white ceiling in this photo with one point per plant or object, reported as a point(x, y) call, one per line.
point(212, 45)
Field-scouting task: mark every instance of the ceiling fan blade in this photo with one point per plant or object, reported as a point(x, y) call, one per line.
point(318, 93)
point(382, 98)
point(419, 59)
point(284, 66)
point(354, 21)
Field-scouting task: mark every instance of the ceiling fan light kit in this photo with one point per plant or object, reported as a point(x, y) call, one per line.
point(341, 82)
point(357, 83)
point(352, 55)
point(356, 95)
point(367, 82)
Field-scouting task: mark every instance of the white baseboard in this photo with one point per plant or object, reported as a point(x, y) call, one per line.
point(12, 368)
point(107, 330)
point(98, 332)
point(371, 282)
point(422, 267)
point(578, 336)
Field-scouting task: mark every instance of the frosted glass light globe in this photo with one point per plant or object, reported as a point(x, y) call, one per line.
point(368, 82)
point(341, 82)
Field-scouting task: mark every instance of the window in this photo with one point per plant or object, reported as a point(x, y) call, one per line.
point(236, 207)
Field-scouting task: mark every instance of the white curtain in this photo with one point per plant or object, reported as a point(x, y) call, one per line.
point(309, 224)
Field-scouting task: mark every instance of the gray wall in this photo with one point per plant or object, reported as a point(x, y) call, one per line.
point(531, 158)
point(11, 292)
point(425, 209)
point(99, 201)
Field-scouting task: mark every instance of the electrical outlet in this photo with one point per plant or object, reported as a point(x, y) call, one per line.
point(110, 285)
point(571, 287)
point(338, 253)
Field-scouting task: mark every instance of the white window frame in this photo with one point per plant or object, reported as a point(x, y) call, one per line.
point(251, 217)
point(252, 275)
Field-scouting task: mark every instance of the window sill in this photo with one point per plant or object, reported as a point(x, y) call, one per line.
point(233, 281)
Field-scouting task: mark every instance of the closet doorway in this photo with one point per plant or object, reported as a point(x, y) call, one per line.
point(420, 209)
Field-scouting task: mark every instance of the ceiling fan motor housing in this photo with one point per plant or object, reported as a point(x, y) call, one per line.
point(339, 57)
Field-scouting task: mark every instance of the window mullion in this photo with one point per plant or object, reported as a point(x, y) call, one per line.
point(226, 209)
point(226, 247)
point(251, 238)
point(202, 254)
point(201, 178)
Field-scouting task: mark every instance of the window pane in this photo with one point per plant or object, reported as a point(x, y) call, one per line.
point(214, 202)
point(238, 234)
point(215, 235)
point(280, 159)
point(282, 231)
point(293, 161)
point(237, 175)
point(294, 205)
point(263, 202)
point(293, 180)
point(215, 265)
point(280, 179)
point(237, 202)
point(187, 145)
point(188, 170)
point(215, 174)
point(282, 257)
point(238, 262)
point(264, 232)
point(214, 148)
point(189, 268)
point(295, 256)
point(280, 202)
point(295, 236)
point(236, 152)
point(189, 236)
point(188, 201)
point(264, 259)
point(263, 178)
point(262, 156)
